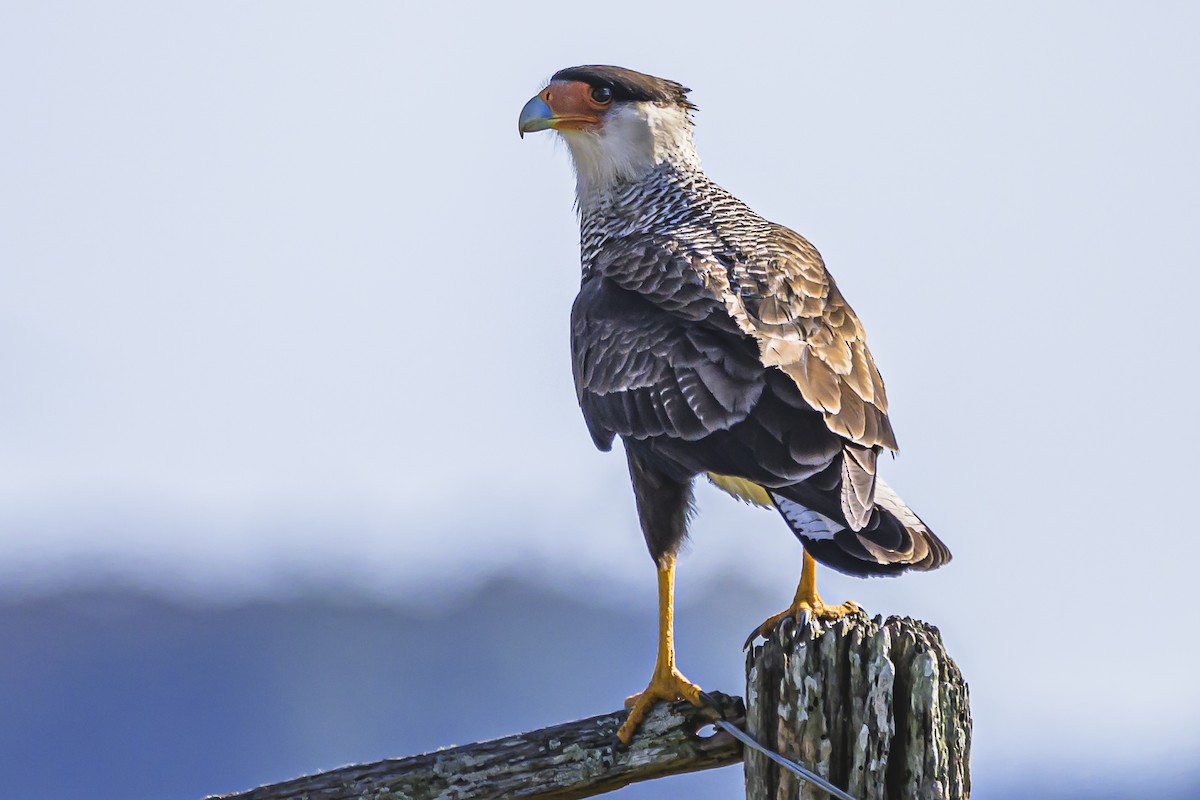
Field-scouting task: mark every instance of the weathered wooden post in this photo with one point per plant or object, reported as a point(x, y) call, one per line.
point(876, 707)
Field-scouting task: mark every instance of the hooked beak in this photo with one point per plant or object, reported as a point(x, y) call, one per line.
point(563, 106)
point(535, 116)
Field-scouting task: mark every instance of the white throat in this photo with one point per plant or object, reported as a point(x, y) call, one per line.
point(633, 140)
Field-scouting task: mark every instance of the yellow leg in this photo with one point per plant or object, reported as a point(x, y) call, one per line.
point(806, 603)
point(666, 683)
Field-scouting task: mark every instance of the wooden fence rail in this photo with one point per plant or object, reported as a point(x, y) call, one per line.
point(575, 759)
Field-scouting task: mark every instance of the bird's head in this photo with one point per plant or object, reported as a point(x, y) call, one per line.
point(619, 124)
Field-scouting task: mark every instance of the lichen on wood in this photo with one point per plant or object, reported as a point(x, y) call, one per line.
point(572, 760)
point(876, 707)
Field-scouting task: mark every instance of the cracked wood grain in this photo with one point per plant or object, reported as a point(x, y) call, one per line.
point(876, 707)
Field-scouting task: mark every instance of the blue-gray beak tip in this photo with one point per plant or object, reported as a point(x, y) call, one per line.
point(535, 116)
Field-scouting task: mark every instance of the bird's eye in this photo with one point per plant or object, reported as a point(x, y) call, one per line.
point(602, 95)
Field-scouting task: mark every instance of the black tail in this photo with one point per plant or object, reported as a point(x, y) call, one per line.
point(893, 541)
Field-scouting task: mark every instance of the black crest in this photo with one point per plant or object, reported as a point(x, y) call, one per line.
point(627, 85)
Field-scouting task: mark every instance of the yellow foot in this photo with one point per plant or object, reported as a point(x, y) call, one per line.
point(668, 685)
point(801, 611)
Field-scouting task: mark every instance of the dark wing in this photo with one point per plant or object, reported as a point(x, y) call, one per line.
point(645, 362)
point(659, 360)
point(658, 338)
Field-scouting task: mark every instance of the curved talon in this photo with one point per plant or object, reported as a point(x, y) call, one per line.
point(806, 605)
point(802, 611)
point(668, 685)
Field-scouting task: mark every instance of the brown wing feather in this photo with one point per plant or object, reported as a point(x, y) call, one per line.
point(782, 295)
point(787, 300)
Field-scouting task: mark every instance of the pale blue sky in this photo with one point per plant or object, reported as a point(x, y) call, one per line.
point(282, 295)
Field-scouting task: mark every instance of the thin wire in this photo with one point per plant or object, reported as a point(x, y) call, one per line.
point(801, 770)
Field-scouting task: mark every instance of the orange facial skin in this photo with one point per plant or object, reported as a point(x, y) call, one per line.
point(573, 106)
